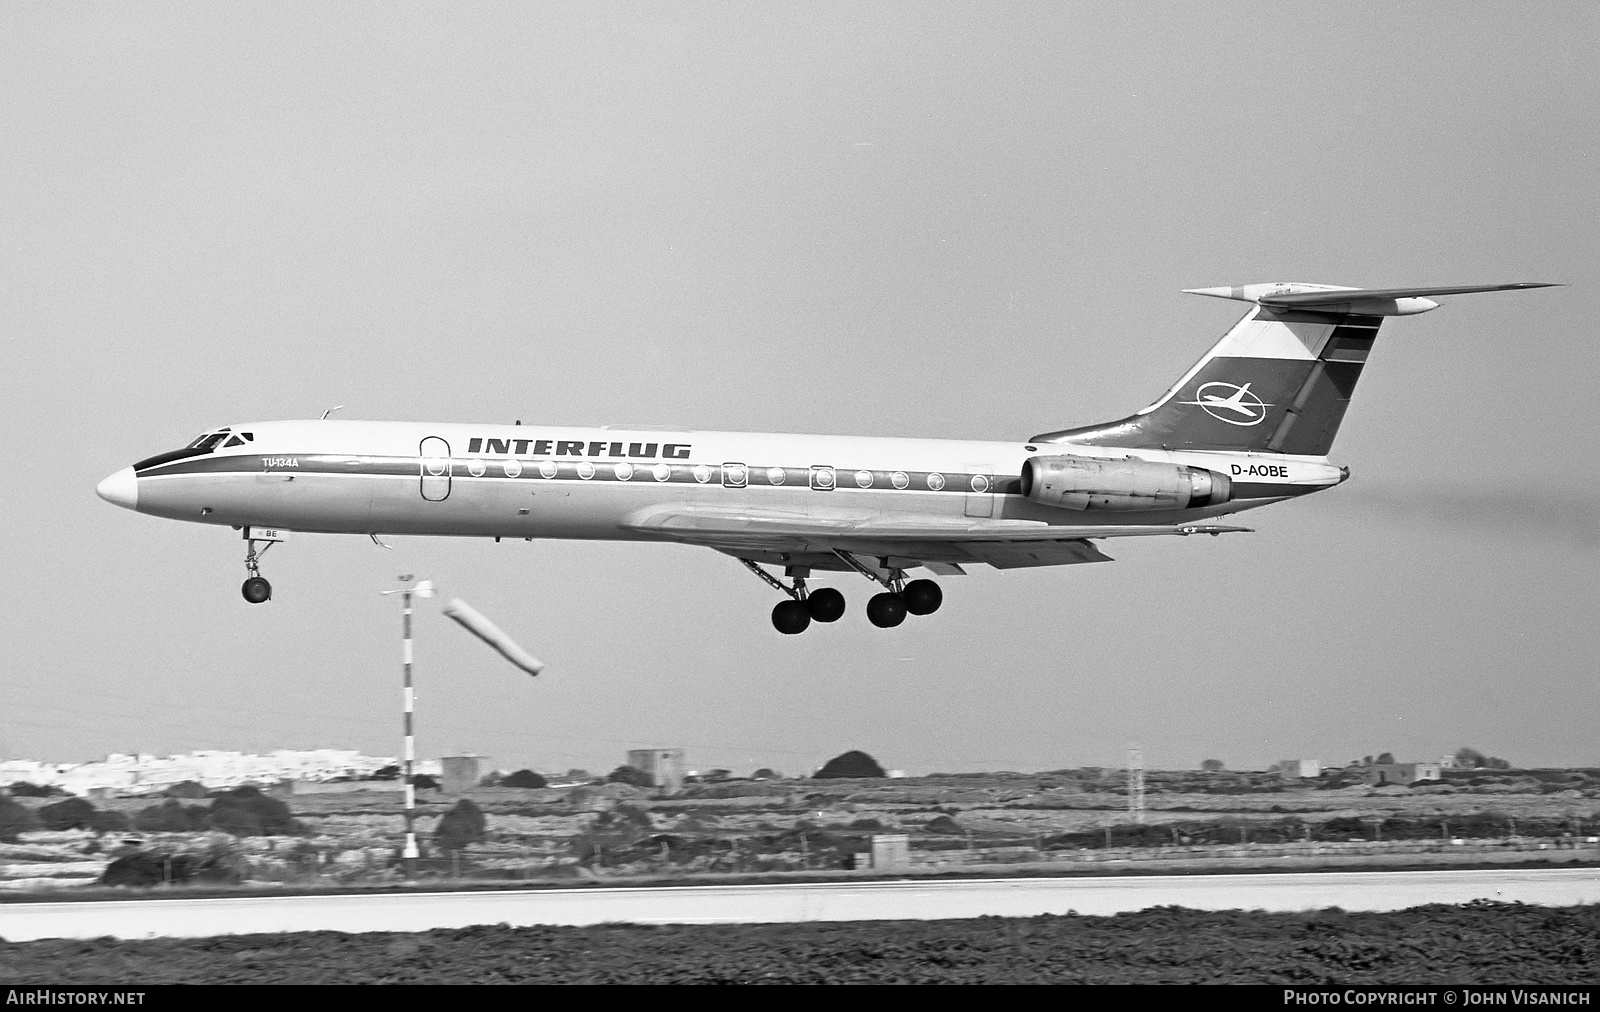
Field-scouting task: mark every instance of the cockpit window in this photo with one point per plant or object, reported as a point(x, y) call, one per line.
point(202, 444)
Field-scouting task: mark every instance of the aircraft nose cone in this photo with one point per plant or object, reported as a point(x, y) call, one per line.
point(120, 489)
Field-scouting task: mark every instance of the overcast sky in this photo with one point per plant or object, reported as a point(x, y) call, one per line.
point(960, 220)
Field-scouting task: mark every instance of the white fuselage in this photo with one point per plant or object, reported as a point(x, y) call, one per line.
point(359, 477)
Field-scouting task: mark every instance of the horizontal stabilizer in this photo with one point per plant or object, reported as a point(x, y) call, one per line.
point(1294, 299)
point(1283, 296)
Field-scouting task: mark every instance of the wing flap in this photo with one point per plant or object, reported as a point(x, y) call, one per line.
point(1022, 554)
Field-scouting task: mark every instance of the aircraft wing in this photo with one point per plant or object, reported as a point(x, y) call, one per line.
point(810, 539)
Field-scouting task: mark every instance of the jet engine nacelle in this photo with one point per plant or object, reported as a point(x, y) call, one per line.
point(1085, 483)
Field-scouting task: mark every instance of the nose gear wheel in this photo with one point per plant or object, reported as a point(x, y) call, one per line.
point(255, 589)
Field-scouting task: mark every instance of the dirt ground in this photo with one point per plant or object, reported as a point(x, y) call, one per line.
point(1481, 943)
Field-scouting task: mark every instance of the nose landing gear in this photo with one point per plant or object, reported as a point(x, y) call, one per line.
point(255, 588)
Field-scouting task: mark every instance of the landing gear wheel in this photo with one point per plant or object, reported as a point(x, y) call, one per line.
point(825, 605)
point(923, 597)
point(886, 610)
point(790, 617)
point(256, 590)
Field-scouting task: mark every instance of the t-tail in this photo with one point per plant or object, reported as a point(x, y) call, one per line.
point(1280, 380)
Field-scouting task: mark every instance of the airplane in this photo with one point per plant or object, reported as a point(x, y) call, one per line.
point(1248, 425)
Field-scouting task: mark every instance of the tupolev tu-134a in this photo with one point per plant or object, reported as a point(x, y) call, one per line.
point(1250, 424)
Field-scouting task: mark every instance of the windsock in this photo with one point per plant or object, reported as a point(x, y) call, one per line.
point(485, 630)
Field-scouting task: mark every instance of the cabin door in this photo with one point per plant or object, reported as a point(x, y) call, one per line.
point(980, 501)
point(436, 469)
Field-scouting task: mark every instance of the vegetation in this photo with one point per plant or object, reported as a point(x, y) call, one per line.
point(460, 826)
point(1472, 759)
point(849, 765)
point(109, 821)
point(152, 868)
point(1223, 831)
point(759, 826)
point(633, 776)
point(1212, 765)
point(24, 789)
point(523, 778)
point(73, 813)
point(15, 819)
point(624, 833)
point(248, 812)
point(172, 816)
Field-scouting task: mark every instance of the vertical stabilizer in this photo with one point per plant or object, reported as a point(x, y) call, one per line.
point(1279, 381)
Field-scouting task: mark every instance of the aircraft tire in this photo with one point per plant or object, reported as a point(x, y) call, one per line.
point(886, 610)
point(923, 597)
point(790, 617)
point(256, 590)
point(826, 605)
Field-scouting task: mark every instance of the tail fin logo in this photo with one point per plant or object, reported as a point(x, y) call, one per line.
point(1229, 402)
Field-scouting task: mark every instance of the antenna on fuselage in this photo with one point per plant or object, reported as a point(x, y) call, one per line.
point(330, 411)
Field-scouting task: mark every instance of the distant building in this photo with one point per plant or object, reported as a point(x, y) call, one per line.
point(891, 851)
point(1403, 774)
point(458, 773)
point(664, 766)
point(1300, 769)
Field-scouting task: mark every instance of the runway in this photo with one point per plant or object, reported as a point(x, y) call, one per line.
point(769, 903)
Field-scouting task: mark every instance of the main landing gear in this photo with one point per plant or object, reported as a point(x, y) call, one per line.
point(886, 610)
point(255, 589)
point(795, 615)
point(899, 599)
